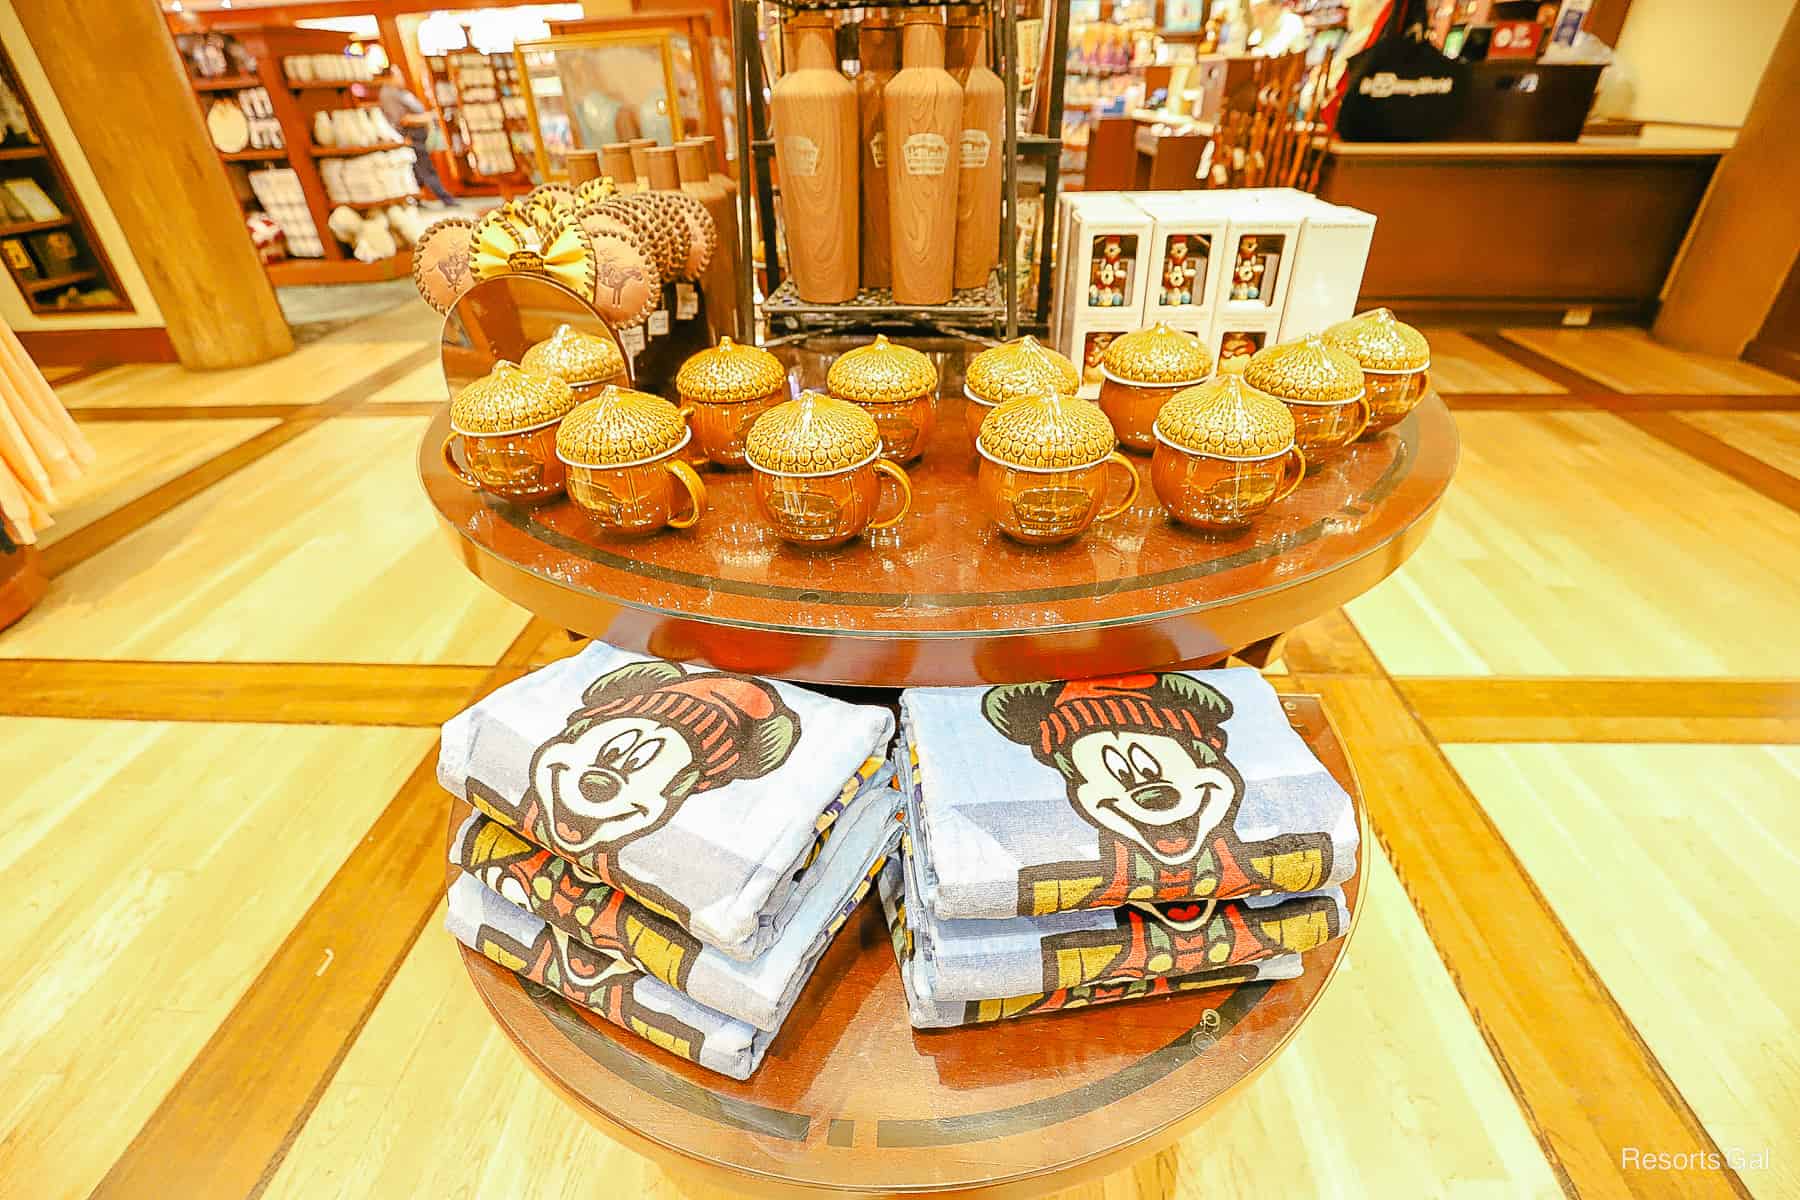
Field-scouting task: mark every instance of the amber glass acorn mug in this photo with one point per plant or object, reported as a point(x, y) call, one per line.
point(1224, 453)
point(1140, 372)
point(729, 386)
point(897, 386)
point(505, 424)
point(622, 450)
point(1044, 466)
point(1322, 387)
point(1395, 360)
point(1006, 372)
point(819, 471)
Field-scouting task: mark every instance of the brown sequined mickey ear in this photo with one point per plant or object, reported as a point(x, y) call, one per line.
point(627, 287)
point(440, 265)
point(703, 233)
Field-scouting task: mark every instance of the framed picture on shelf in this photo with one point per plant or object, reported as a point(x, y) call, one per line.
point(55, 251)
point(19, 260)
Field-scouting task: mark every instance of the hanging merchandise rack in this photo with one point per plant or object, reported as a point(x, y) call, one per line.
point(993, 308)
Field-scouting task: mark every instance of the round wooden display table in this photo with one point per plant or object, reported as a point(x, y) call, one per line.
point(852, 1100)
point(22, 583)
point(944, 597)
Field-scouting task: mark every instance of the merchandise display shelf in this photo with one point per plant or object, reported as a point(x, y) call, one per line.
point(353, 151)
point(225, 83)
point(944, 598)
point(851, 1100)
point(983, 304)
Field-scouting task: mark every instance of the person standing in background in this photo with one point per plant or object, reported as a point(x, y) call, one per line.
point(408, 114)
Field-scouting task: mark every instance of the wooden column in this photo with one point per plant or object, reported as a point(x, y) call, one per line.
point(1743, 241)
point(114, 68)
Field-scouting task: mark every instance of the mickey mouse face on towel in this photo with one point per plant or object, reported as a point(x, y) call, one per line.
point(1142, 756)
point(650, 735)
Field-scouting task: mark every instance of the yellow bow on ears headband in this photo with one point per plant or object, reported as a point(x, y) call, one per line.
point(506, 243)
point(595, 190)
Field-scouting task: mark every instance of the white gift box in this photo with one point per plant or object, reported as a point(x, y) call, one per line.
point(1328, 269)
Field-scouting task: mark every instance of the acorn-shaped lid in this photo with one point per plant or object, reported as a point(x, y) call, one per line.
point(1305, 372)
point(1021, 368)
point(1157, 356)
point(1047, 433)
point(881, 373)
point(1226, 417)
point(814, 435)
point(575, 356)
point(509, 399)
point(1381, 341)
point(728, 373)
point(620, 428)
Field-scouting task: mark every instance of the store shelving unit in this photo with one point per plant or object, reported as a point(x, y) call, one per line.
point(482, 82)
point(293, 102)
point(78, 279)
point(994, 309)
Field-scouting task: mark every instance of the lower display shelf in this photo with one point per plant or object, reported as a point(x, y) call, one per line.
point(347, 270)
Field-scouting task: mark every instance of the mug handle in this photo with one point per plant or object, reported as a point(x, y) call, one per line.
point(1368, 415)
point(463, 477)
point(1295, 466)
point(1131, 494)
point(884, 467)
point(696, 490)
point(1423, 383)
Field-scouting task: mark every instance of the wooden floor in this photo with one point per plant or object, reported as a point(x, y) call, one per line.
point(1576, 714)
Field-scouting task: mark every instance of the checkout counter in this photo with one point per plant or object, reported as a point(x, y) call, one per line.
point(1518, 226)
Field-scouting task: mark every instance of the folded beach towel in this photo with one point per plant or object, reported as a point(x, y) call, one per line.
point(617, 991)
point(759, 992)
point(699, 792)
point(1036, 798)
point(926, 1010)
point(976, 960)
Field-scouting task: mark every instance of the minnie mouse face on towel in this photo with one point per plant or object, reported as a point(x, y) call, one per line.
point(648, 736)
point(1143, 759)
point(1142, 756)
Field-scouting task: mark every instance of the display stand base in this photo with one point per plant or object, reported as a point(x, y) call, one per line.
point(22, 584)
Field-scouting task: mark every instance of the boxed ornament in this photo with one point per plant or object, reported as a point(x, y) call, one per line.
point(1187, 246)
point(1328, 268)
point(1233, 337)
point(1104, 252)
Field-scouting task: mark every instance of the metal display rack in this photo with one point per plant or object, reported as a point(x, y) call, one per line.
point(997, 306)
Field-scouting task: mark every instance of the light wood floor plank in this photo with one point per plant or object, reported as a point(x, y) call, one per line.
point(425, 384)
point(1459, 363)
point(1584, 1078)
point(1573, 543)
point(1772, 437)
point(1555, 709)
point(1746, 468)
point(131, 460)
point(370, 914)
point(1629, 360)
point(1672, 867)
point(320, 552)
point(270, 693)
point(149, 871)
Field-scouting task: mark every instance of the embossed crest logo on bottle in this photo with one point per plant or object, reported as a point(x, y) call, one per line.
point(926, 154)
point(800, 156)
point(878, 149)
point(976, 145)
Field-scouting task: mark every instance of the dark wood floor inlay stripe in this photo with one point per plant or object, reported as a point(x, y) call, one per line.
point(228, 1122)
point(1616, 402)
point(1585, 1080)
point(1754, 473)
point(255, 692)
point(1540, 364)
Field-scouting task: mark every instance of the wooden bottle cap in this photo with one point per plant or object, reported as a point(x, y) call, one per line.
point(692, 162)
point(640, 162)
point(615, 160)
point(583, 166)
point(661, 170)
point(931, 15)
point(811, 20)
